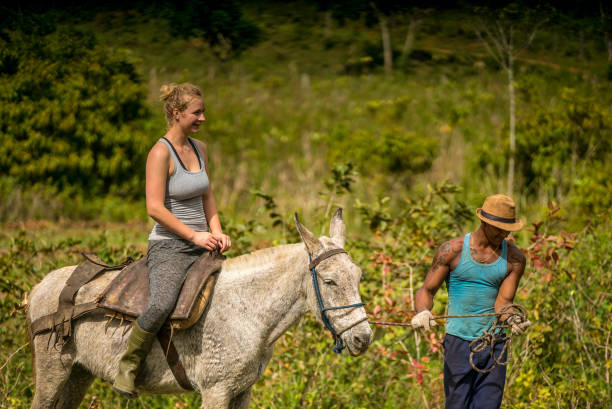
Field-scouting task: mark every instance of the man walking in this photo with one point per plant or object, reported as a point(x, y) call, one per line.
point(482, 272)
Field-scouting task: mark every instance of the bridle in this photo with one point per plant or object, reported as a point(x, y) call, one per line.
point(338, 343)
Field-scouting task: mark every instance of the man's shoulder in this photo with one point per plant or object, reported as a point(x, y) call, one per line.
point(455, 244)
point(450, 249)
point(516, 255)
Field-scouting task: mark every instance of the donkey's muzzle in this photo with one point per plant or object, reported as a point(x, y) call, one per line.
point(358, 338)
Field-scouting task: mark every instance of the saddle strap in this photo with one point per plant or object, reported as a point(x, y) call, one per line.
point(61, 325)
point(172, 357)
point(60, 322)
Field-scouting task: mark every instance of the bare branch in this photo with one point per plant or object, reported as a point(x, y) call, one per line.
point(534, 31)
point(498, 58)
point(502, 35)
point(13, 354)
point(497, 42)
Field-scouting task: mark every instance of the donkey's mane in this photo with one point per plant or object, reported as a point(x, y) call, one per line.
point(259, 257)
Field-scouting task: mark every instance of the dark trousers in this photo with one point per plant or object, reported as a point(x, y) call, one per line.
point(466, 388)
point(168, 262)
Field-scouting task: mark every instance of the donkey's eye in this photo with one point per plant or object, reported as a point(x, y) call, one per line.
point(328, 281)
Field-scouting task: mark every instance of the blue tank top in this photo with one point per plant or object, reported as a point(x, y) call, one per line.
point(472, 289)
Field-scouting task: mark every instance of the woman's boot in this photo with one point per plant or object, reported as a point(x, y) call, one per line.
point(139, 345)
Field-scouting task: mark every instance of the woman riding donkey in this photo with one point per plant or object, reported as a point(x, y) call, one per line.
point(180, 199)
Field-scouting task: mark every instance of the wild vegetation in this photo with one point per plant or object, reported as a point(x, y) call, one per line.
point(305, 114)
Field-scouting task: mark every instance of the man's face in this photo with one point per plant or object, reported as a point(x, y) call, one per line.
point(494, 234)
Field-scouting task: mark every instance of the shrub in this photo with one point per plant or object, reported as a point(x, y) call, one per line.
point(70, 114)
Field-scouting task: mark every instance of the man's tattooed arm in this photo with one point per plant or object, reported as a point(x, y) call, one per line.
point(444, 260)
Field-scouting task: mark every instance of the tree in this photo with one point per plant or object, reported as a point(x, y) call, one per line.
point(384, 13)
point(564, 151)
point(606, 26)
point(505, 33)
point(71, 111)
point(222, 24)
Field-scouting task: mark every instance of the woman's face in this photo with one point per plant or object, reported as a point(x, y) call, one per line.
point(190, 119)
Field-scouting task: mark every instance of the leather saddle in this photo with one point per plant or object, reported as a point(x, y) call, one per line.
point(127, 295)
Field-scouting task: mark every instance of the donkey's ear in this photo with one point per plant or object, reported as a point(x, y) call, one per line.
point(313, 245)
point(337, 228)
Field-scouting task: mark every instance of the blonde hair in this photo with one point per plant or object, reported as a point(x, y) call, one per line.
point(177, 96)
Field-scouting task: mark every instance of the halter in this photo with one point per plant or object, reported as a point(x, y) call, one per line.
point(338, 343)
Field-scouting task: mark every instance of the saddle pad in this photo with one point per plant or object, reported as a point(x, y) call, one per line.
point(128, 293)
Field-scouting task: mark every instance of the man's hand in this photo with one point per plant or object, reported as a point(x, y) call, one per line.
point(424, 320)
point(517, 325)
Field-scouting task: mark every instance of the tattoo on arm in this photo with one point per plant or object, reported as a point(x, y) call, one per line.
point(444, 255)
point(516, 260)
point(440, 256)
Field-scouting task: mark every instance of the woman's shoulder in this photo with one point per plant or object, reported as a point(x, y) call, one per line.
point(200, 144)
point(159, 150)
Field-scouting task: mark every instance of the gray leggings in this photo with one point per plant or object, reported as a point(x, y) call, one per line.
point(168, 262)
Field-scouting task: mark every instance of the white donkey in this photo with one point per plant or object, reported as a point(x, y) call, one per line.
point(257, 297)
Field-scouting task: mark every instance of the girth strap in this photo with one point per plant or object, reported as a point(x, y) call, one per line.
point(165, 340)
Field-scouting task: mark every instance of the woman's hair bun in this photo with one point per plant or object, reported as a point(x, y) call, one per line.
point(167, 90)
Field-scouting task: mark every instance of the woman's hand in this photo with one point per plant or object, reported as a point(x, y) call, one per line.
point(223, 241)
point(206, 240)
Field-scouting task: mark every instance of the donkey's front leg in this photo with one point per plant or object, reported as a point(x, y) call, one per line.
point(242, 400)
point(217, 397)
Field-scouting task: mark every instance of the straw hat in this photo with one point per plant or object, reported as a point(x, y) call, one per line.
point(499, 211)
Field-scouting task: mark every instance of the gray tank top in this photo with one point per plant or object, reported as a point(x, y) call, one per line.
point(184, 190)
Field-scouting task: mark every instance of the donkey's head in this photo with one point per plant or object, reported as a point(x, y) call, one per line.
point(333, 292)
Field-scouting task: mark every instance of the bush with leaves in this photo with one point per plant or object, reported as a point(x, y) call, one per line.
point(71, 113)
point(561, 145)
point(222, 24)
point(386, 143)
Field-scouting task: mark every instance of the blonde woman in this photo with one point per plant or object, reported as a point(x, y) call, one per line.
point(180, 199)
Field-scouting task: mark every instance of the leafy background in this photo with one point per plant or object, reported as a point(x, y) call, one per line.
point(303, 115)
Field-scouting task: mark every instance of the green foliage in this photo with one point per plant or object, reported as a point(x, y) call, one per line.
point(70, 111)
point(564, 357)
point(387, 143)
point(565, 149)
point(284, 117)
point(221, 24)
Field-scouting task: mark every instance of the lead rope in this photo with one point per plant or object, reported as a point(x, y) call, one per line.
point(494, 335)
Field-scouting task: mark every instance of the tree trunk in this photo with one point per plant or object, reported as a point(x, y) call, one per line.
point(386, 43)
point(605, 25)
point(409, 43)
point(328, 24)
point(608, 45)
point(512, 124)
